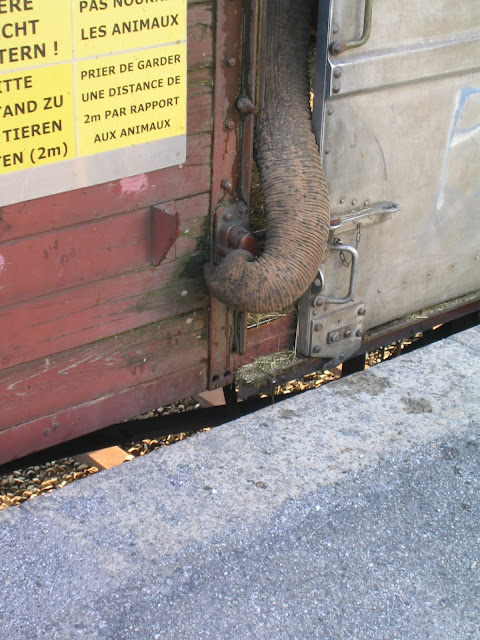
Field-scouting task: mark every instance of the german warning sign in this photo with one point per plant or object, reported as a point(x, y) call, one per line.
point(90, 91)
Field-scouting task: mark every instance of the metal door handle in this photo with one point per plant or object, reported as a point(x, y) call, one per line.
point(319, 300)
point(339, 47)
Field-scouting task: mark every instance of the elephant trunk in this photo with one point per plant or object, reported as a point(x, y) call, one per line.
point(296, 194)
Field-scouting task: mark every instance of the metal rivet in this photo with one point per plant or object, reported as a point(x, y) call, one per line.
point(342, 356)
point(359, 333)
point(229, 124)
point(354, 202)
point(228, 376)
point(231, 62)
point(317, 326)
point(327, 151)
point(318, 301)
point(362, 311)
point(347, 333)
point(336, 48)
point(337, 72)
point(314, 312)
point(404, 282)
point(227, 185)
point(330, 111)
point(316, 349)
point(476, 257)
point(334, 337)
point(342, 200)
point(215, 379)
point(379, 290)
point(335, 29)
point(184, 293)
point(336, 88)
point(228, 215)
point(317, 282)
point(366, 203)
point(429, 273)
point(453, 266)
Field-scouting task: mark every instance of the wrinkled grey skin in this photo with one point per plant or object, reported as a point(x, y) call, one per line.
point(296, 194)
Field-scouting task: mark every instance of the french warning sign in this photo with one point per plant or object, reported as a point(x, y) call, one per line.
point(90, 91)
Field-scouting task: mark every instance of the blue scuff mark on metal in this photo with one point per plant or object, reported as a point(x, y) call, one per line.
point(462, 104)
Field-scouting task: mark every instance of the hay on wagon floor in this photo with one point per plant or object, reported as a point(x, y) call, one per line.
point(266, 367)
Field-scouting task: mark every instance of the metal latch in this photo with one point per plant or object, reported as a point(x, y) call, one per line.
point(331, 326)
point(369, 214)
point(335, 335)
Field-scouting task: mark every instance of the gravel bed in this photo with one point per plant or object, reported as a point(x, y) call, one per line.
point(25, 484)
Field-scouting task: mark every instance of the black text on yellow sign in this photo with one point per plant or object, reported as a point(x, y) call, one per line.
point(124, 85)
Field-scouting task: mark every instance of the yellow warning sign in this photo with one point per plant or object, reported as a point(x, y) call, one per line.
point(80, 78)
point(130, 99)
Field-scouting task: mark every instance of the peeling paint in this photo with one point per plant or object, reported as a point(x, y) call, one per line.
point(134, 184)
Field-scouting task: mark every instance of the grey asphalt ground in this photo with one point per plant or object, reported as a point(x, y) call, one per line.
point(350, 511)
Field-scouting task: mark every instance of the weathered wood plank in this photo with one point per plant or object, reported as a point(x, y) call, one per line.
point(73, 422)
point(84, 253)
point(82, 374)
point(78, 316)
point(200, 36)
point(200, 101)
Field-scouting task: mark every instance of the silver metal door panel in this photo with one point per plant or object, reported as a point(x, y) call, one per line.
point(404, 23)
point(401, 123)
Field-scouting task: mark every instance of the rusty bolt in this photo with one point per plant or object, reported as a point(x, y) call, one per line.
point(227, 185)
point(229, 124)
point(245, 105)
point(337, 72)
point(231, 61)
point(317, 326)
point(362, 311)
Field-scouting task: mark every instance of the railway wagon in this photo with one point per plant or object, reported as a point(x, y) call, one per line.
point(132, 269)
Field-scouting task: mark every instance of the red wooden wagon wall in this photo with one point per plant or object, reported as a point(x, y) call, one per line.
point(91, 331)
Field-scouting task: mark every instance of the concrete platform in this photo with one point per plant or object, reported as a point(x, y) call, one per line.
point(351, 511)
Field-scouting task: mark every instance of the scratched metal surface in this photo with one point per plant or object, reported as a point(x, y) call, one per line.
point(403, 125)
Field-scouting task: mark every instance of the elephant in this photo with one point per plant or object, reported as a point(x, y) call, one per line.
point(293, 181)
